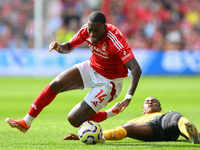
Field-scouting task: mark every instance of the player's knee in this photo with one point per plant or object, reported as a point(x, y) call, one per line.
point(55, 85)
point(73, 121)
point(173, 116)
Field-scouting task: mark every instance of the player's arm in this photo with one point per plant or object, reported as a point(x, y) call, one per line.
point(71, 137)
point(63, 48)
point(136, 72)
point(69, 46)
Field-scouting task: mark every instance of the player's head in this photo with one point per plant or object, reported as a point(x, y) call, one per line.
point(96, 26)
point(150, 105)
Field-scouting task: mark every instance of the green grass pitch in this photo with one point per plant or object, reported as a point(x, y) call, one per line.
point(181, 93)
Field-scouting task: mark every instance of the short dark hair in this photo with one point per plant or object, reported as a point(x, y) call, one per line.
point(155, 99)
point(97, 16)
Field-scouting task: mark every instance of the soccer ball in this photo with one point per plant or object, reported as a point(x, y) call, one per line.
point(90, 132)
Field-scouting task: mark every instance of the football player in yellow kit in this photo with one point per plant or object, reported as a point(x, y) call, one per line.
point(153, 126)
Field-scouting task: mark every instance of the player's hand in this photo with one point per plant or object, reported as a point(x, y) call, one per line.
point(71, 137)
point(122, 105)
point(116, 110)
point(53, 45)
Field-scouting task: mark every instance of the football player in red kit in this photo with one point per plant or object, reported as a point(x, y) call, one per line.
point(103, 73)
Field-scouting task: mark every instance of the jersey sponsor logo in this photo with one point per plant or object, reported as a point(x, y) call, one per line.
point(98, 51)
point(115, 41)
point(101, 55)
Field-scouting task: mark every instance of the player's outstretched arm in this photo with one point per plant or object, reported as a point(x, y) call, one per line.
point(63, 48)
point(136, 72)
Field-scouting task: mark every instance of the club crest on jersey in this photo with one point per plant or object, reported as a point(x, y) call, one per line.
point(89, 40)
point(104, 46)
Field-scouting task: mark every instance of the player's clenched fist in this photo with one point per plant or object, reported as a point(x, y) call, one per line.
point(53, 45)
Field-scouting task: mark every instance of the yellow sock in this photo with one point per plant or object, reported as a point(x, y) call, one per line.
point(181, 125)
point(115, 134)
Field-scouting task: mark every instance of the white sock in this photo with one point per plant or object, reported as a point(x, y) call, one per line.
point(28, 119)
point(110, 113)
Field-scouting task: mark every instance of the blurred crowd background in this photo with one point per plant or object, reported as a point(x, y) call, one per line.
point(146, 24)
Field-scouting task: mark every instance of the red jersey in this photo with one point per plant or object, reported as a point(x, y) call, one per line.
point(109, 55)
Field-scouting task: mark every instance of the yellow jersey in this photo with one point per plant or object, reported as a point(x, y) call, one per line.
point(145, 118)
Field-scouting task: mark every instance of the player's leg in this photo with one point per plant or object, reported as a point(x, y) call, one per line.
point(140, 131)
point(85, 110)
point(175, 124)
point(103, 115)
point(111, 89)
point(192, 132)
point(88, 109)
point(103, 92)
point(67, 80)
point(80, 113)
point(188, 130)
